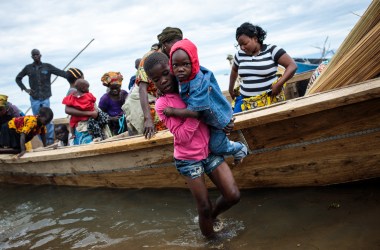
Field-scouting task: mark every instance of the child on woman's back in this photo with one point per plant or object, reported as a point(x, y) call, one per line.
point(19, 130)
point(200, 91)
point(191, 153)
point(82, 100)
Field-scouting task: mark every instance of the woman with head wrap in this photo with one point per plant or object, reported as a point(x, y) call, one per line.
point(112, 101)
point(73, 74)
point(147, 90)
point(7, 110)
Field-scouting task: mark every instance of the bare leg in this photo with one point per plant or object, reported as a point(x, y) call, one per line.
point(230, 195)
point(199, 191)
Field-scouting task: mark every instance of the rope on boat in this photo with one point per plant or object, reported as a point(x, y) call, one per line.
point(306, 143)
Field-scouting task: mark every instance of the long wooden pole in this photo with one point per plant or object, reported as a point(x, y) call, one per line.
point(75, 57)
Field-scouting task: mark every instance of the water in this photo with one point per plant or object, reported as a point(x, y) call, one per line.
point(47, 217)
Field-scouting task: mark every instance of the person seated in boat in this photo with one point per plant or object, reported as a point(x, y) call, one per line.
point(200, 91)
point(73, 74)
point(112, 101)
point(83, 101)
point(132, 80)
point(317, 72)
point(256, 63)
point(7, 110)
point(144, 119)
point(63, 136)
point(20, 130)
point(191, 148)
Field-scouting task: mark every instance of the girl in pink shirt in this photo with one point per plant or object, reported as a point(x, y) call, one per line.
point(191, 148)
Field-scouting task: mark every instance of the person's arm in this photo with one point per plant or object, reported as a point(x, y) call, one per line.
point(75, 112)
point(72, 132)
point(103, 104)
point(19, 80)
point(182, 131)
point(43, 139)
point(57, 72)
point(148, 120)
point(184, 113)
point(22, 145)
point(290, 68)
point(233, 77)
point(230, 126)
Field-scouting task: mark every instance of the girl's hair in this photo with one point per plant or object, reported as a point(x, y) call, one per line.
point(73, 74)
point(153, 59)
point(46, 112)
point(251, 30)
point(61, 127)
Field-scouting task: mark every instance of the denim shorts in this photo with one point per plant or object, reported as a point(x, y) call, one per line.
point(195, 169)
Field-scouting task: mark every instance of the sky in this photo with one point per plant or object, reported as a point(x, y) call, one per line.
point(125, 29)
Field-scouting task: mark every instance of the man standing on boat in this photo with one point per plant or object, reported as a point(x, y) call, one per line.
point(40, 86)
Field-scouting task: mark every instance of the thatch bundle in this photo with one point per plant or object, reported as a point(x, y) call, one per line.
point(358, 58)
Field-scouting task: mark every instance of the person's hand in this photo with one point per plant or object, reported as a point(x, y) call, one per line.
point(29, 91)
point(148, 128)
point(230, 126)
point(20, 154)
point(169, 111)
point(94, 114)
point(276, 89)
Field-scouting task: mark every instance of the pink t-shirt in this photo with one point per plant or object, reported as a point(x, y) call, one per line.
point(191, 136)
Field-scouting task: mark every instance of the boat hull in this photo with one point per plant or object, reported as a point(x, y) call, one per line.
point(323, 139)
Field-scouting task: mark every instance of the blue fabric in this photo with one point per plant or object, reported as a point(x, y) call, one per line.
point(238, 103)
point(82, 137)
point(131, 82)
point(203, 94)
point(36, 105)
point(220, 144)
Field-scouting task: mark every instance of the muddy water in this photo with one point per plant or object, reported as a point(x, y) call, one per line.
point(337, 217)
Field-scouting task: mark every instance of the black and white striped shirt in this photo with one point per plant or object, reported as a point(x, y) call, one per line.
point(258, 72)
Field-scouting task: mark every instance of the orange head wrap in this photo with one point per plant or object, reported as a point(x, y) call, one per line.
point(112, 77)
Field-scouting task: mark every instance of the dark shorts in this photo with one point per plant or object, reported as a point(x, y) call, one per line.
point(195, 169)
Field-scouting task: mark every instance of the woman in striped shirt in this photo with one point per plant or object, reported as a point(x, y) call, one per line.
point(256, 63)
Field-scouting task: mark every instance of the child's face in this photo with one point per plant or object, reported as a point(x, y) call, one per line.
point(114, 89)
point(161, 77)
point(181, 65)
point(43, 119)
point(82, 85)
point(61, 134)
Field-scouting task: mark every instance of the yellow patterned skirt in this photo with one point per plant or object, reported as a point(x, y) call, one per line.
point(260, 100)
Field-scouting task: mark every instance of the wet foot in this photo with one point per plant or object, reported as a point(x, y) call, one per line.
point(218, 225)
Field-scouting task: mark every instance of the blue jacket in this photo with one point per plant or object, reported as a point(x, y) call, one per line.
point(204, 95)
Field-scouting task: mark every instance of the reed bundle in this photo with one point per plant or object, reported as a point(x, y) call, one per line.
point(357, 59)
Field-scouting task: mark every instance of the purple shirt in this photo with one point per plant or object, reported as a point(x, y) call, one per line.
point(12, 111)
point(111, 107)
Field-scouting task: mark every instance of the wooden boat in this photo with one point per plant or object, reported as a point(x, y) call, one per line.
point(321, 139)
point(306, 64)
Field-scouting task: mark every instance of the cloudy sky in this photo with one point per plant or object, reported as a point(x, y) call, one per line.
point(124, 30)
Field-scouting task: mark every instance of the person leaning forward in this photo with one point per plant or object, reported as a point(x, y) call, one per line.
point(40, 85)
